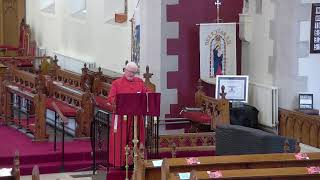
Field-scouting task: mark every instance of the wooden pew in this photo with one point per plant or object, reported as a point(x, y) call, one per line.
point(69, 78)
point(35, 173)
point(265, 173)
point(147, 171)
point(300, 126)
point(80, 103)
point(15, 170)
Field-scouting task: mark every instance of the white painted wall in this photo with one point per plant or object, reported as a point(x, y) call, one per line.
point(107, 43)
point(278, 53)
point(256, 53)
point(97, 38)
point(309, 65)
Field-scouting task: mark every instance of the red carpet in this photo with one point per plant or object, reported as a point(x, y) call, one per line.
point(77, 153)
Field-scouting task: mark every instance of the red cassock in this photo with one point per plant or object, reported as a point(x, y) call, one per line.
point(121, 130)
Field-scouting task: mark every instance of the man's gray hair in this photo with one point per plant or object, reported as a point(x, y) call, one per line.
point(132, 65)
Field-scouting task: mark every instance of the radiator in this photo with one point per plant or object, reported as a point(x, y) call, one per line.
point(265, 99)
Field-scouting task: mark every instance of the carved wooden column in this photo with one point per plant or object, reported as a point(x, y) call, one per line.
point(53, 67)
point(3, 70)
point(147, 76)
point(85, 115)
point(40, 110)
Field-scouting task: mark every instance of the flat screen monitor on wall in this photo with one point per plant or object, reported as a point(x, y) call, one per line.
point(236, 87)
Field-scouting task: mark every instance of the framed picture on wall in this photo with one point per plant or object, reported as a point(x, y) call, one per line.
point(315, 28)
point(236, 87)
point(305, 101)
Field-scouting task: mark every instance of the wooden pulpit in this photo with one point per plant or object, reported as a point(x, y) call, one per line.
point(137, 104)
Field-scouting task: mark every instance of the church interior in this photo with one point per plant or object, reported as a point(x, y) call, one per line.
point(159, 89)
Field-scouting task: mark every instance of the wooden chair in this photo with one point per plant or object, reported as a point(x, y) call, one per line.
point(209, 111)
point(26, 47)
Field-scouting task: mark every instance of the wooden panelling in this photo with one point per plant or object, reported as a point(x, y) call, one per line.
point(300, 126)
point(217, 109)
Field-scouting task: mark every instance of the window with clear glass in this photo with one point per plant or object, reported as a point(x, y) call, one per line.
point(47, 6)
point(78, 8)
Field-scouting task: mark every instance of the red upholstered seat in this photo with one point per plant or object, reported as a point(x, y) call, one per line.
point(25, 63)
point(65, 108)
point(102, 103)
point(27, 46)
point(198, 117)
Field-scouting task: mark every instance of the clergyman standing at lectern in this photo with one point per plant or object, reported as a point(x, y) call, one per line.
point(121, 131)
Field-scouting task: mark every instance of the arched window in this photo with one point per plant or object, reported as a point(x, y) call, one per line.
point(78, 8)
point(47, 6)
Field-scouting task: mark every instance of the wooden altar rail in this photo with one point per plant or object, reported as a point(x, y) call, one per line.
point(104, 75)
point(69, 78)
point(38, 100)
point(81, 101)
point(300, 126)
point(100, 87)
point(217, 109)
point(30, 87)
point(265, 173)
point(146, 170)
point(24, 79)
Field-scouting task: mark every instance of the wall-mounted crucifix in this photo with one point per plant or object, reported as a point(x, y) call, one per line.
point(218, 3)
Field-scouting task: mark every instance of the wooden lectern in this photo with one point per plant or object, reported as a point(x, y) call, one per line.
point(141, 104)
